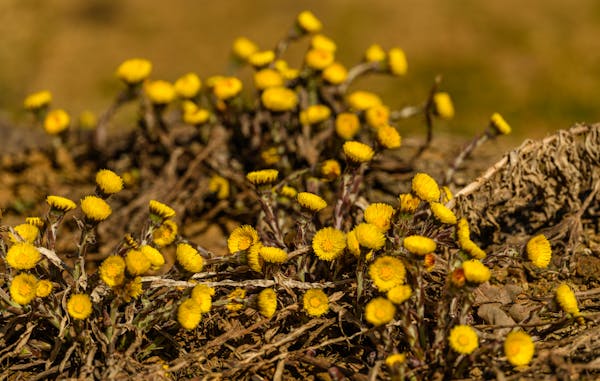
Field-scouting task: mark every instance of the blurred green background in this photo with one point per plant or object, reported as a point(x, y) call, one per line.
point(537, 62)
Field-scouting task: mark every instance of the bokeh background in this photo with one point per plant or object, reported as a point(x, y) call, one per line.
point(537, 62)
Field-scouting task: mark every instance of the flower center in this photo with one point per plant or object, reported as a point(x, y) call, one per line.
point(315, 302)
point(386, 273)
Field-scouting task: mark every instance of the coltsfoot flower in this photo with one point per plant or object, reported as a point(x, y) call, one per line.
point(189, 314)
point(442, 213)
point(315, 302)
point(379, 311)
point(264, 176)
point(56, 121)
point(335, 74)
point(375, 53)
point(499, 124)
point(320, 41)
point(473, 250)
point(395, 359)
point(227, 88)
point(566, 299)
point(352, 243)
point(311, 201)
point(463, 339)
point(233, 305)
point(425, 187)
point(539, 251)
point(475, 271)
point(35, 221)
point(23, 256)
point(319, 59)
point(270, 156)
point(134, 70)
point(262, 58)
point(108, 181)
point(443, 106)
point(133, 289)
point(399, 294)
point(37, 100)
point(194, 115)
point(157, 260)
point(308, 22)
point(377, 116)
point(369, 236)
point(160, 210)
point(397, 61)
point(187, 86)
point(43, 288)
point(25, 232)
point(241, 238)
point(95, 209)
point(61, 204)
point(23, 288)
point(137, 263)
point(112, 270)
point(331, 169)
point(408, 203)
point(519, 348)
point(202, 295)
point(79, 306)
point(288, 191)
point(267, 302)
point(387, 272)
point(363, 100)
point(279, 99)
point(347, 125)
point(265, 78)
point(273, 254)
point(189, 258)
point(165, 234)
point(329, 243)
point(315, 114)
point(219, 185)
point(380, 215)
point(243, 48)
point(388, 137)
point(358, 152)
point(253, 257)
point(419, 245)
point(160, 92)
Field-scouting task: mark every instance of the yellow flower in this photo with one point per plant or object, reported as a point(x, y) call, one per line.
point(380, 215)
point(160, 210)
point(308, 22)
point(241, 238)
point(270, 156)
point(446, 194)
point(320, 41)
point(264, 176)
point(443, 105)
point(23, 288)
point(397, 61)
point(56, 121)
point(189, 314)
point(79, 306)
point(379, 311)
point(154, 256)
point(377, 116)
point(315, 302)
point(134, 70)
point(347, 125)
point(194, 115)
point(60, 203)
point(499, 124)
point(261, 58)
point(159, 92)
point(442, 213)
point(518, 348)
point(335, 73)
point(369, 236)
point(288, 73)
point(375, 53)
point(387, 272)
point(137, 263)
point(87, 120)
point(331, 169)
point(220, 186)
point(419, 245)
point(273, 254)
point(26, 232)
point(253, 257)
point(243, 48)
point(279, 99)
point(265, 78)
point(133, 289)
point(187, 86)
point(395, 359)
point(165, 234)
point(43, 288)
point(311, 201)
point(238, 293)
point(227, 88)
point(475, 271)
point(352, 243)
point(35, 221)
point(37, 100)
point(108, 181)
point(202, 295)
point(399, 294)
point(95, 208)
point(408, 203)
point(473, 250)
point(363, 100)
point(267, 302)
point(566, 299)
point(358, 152)
point(23, 256)
point(425, 187)
point(112, 270)
point(189, 258)
point(462, 231)
point(539, 251)
point(319, 59)
point(315, 114)
point(463, 339)
point(388, 137)
point(329, 243)
point(288, 191)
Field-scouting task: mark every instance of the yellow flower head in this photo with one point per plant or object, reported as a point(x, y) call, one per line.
point(473, 250)
point(43, 288)
point(329, 243)
point(61, 204)
point(279, 99)
point(539, 251)
point(194, 115)
point(23, 288)
point(358, 152)
point(133, 289)
point(189, 258)
point(442, 213)
point(363, 100)
point(243, 48)
point(463, 339)
point(499, 124)
point(37, 100)
point(227, 87)
point(399, 294)
point(375, 53)
point(267, 302)
point(23, 256)
point(388, 137)
point(160, 210)
point(187, 86)
point(320, 41)
point(379, 311)
point(35, 221)
point(108, 181)
point(202, 295)
point(408, 203)
point(288, 191)
point(308, 22)
point(463, 234)
point(566, 299)
point(56, 121)
point(335, 74)
point(134, 70)
point(457, 277)
point(311, 201)
point(189, 314)
point(425, 187)
point(395, 359)
point(369, 236)
point(315, 302)
point(475, 271)
point(26, 233)
point(241, 238)
point(397, 61)
point(319, 59)
point(261, 58)
point(442, 104)
point(79, 306)
point(387, 272)
point(265, 78)
point(283, 68)
point(253, 257)
point(380, 215)
point(273, 254)
point(154, 256)
point(419, 245)
point(137, 263)
point(352, 243)
point(446, 194)
point(220, 186)
point(159, 92)
point(265, 176)
point(95, 208)
point(377, 116)
point(112, 270)
point(519, 348)
point(347, 125)
point(270, 156)
point(331, 169)
point(165, 234)
point(429, 261)
point(315, 114)
point(232, 305)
